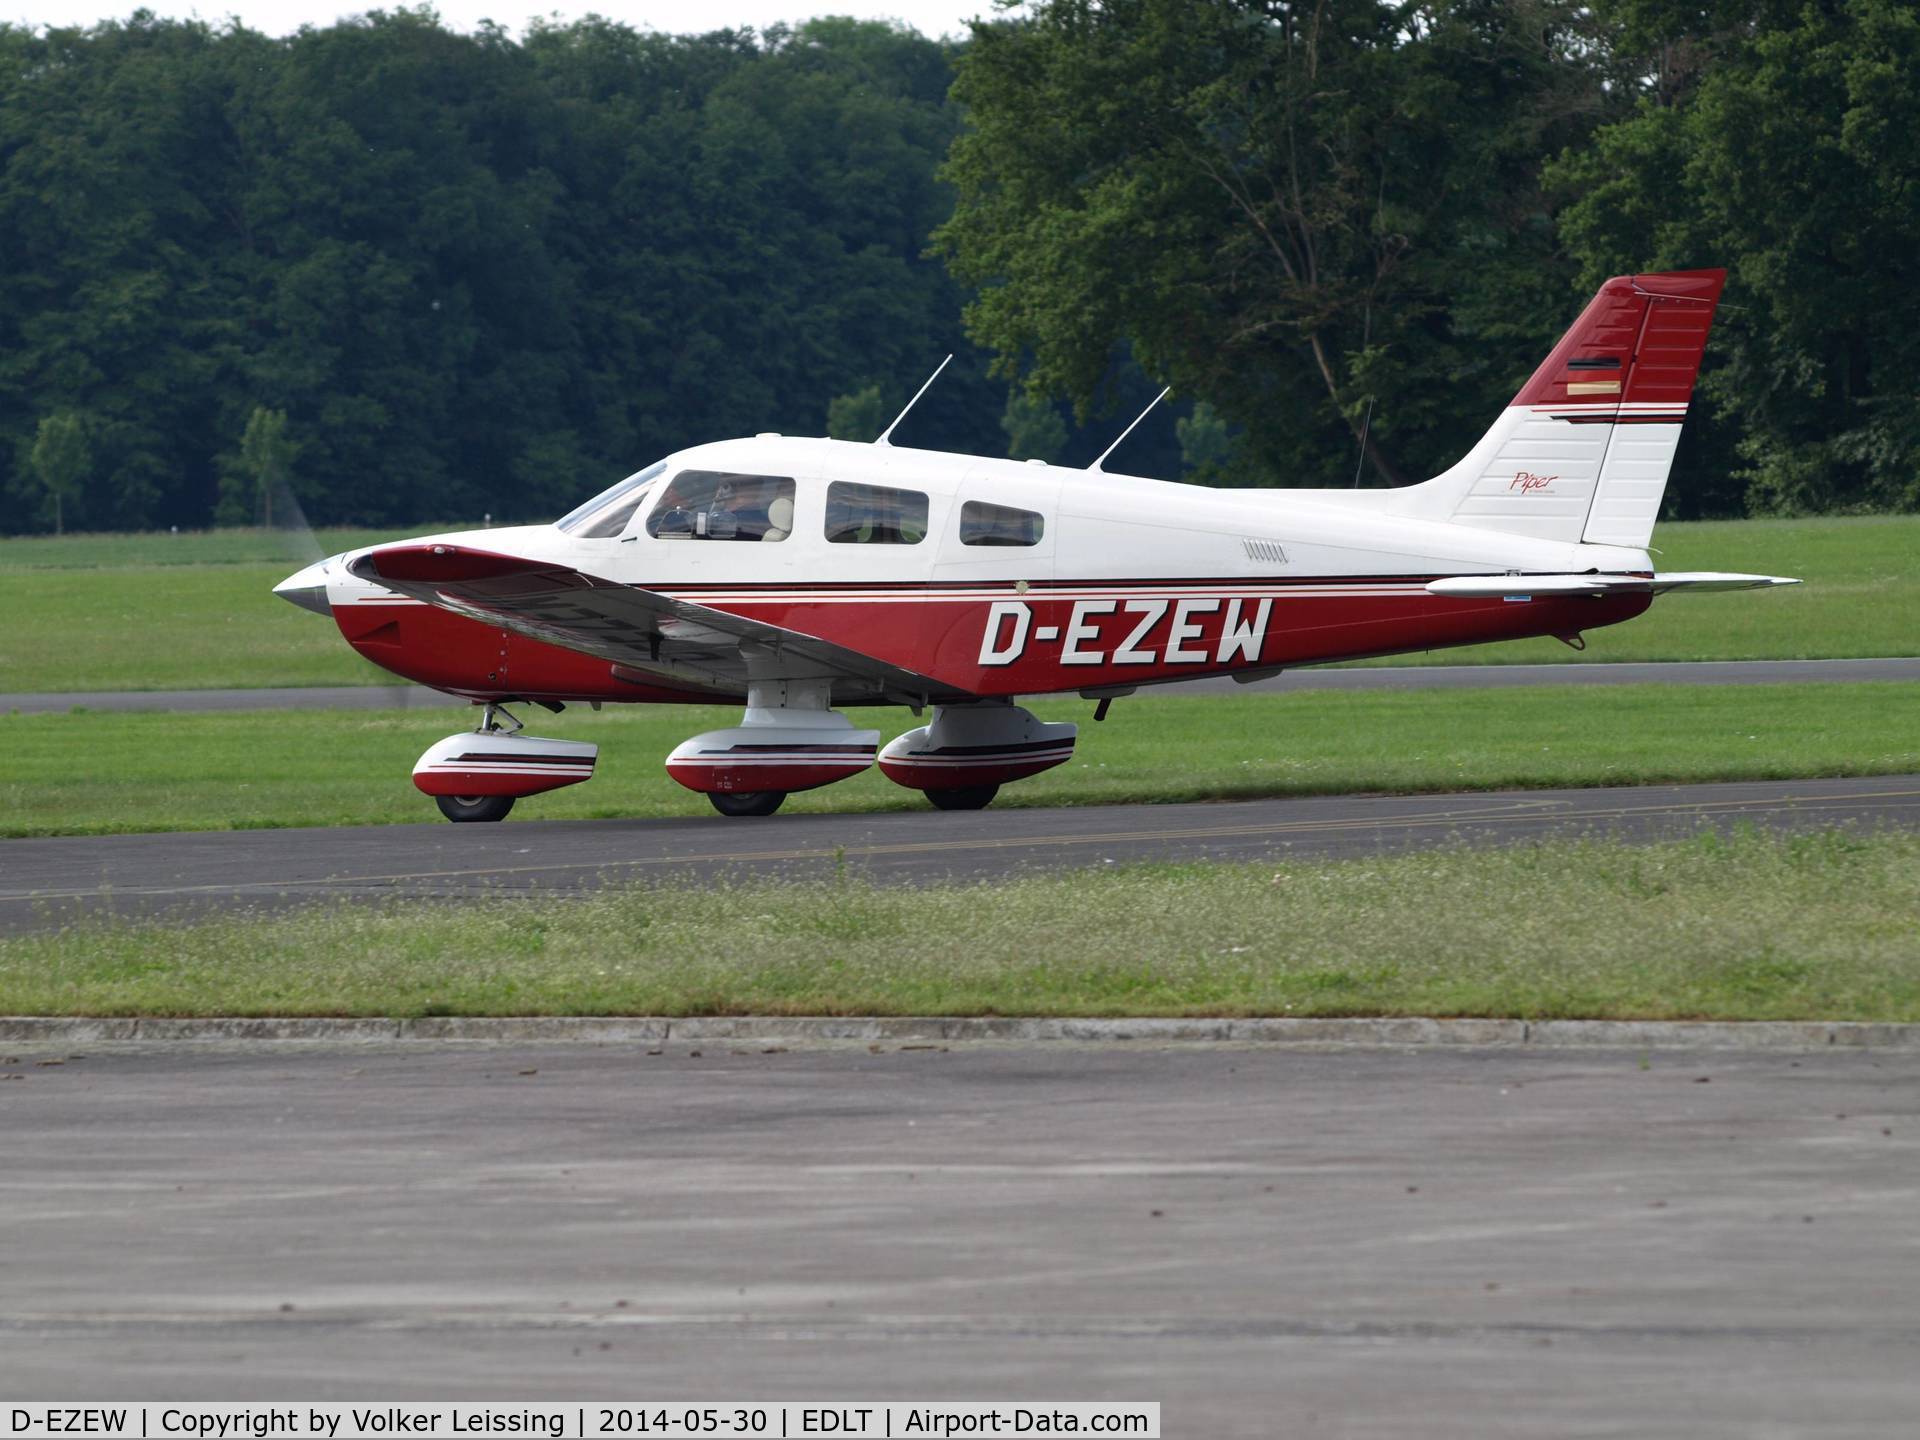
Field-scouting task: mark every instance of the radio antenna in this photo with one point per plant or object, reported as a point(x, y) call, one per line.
point(886, 434)
point(1129, 430)
point(1365, 430)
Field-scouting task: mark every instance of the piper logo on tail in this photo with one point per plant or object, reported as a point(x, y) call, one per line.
point(1526, 482)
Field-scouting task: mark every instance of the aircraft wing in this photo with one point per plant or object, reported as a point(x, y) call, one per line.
point(657, 636)
point(1491, 587)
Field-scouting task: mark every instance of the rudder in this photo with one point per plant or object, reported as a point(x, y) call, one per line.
point(1583, 452)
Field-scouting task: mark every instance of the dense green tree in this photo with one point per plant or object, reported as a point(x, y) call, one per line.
point(110, 298)
point(1207, 444)
point(475, 274)
point(60, 460)
point(260, 471)
point(859, 416)
point(1791, 154)
point(1033, 427)
point(757, 213)
point(484, 275)
point(1287, 209)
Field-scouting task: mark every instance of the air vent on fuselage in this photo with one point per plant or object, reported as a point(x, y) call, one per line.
point(1268, 552)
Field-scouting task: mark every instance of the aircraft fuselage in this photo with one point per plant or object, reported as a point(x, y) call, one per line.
point(1129, 582)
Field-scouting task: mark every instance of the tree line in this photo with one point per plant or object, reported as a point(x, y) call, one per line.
point(1348, 222)
point(468, 273)
point(401, 273)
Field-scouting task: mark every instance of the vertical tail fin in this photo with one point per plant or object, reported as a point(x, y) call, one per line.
point(1584, 450)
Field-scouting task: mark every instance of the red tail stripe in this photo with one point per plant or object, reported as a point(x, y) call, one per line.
point(1656, 324)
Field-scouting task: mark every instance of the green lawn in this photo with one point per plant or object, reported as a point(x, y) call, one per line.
point(90, 773)
point(285, 550)
point(178, 628)
point(1817, 926)
point(158, 612)
point(169, 612)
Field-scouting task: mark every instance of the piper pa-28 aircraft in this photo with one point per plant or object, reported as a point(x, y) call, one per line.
point(798, 575)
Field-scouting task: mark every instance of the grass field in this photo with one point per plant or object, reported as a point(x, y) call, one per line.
point(158, 612)
point(91, 773)
point(168, 612)
point(283, 551)
point(1817, 926)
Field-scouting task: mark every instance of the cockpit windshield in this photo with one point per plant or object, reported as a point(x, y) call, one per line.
point(607, 513)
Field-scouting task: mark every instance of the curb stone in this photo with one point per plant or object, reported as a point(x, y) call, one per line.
point(259, 1027)
point(604, 1030)
point(1397, 1032)
point(823, 1027)
point(1691, 1034)
point(70, 1031)
point(1400, 1030)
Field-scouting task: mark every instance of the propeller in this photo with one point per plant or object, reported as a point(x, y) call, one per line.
point(288, 521)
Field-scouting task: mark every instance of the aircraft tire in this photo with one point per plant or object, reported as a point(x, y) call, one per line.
point(965, 797)
point(747, 802)
point(463, 808)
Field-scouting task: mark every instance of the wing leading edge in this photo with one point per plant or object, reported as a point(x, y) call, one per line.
point(638, 630)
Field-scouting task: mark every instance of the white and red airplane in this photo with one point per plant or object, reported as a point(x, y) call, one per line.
point(801, 574)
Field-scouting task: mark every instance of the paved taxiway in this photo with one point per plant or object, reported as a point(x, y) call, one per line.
point(45, 881)
point(1269, 1241)
point(1397, 677)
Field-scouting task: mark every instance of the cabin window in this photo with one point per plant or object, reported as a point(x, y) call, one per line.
point(984, 524)
point(722, 505)
point(608, 512)
point(875, 515)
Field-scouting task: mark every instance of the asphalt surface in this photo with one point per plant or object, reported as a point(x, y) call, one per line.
point(47, 881)
point(1269, 1241)
point(317, 697)
point(1397, 677)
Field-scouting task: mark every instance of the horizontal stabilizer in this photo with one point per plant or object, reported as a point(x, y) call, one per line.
point(1501, 587)
point(1705, 580)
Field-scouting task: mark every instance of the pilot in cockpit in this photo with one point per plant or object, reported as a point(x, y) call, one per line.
point(725, 507)
point(734, 514)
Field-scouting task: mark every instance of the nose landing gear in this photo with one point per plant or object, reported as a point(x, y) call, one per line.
point(478, 774)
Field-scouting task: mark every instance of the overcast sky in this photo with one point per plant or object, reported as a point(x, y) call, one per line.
point(280, 17)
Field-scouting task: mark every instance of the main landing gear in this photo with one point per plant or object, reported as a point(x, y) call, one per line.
point(791, 740)
point(788, 740)
point(747, 802)
point(474, 807)
point(961, 760)
point(962, 797)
